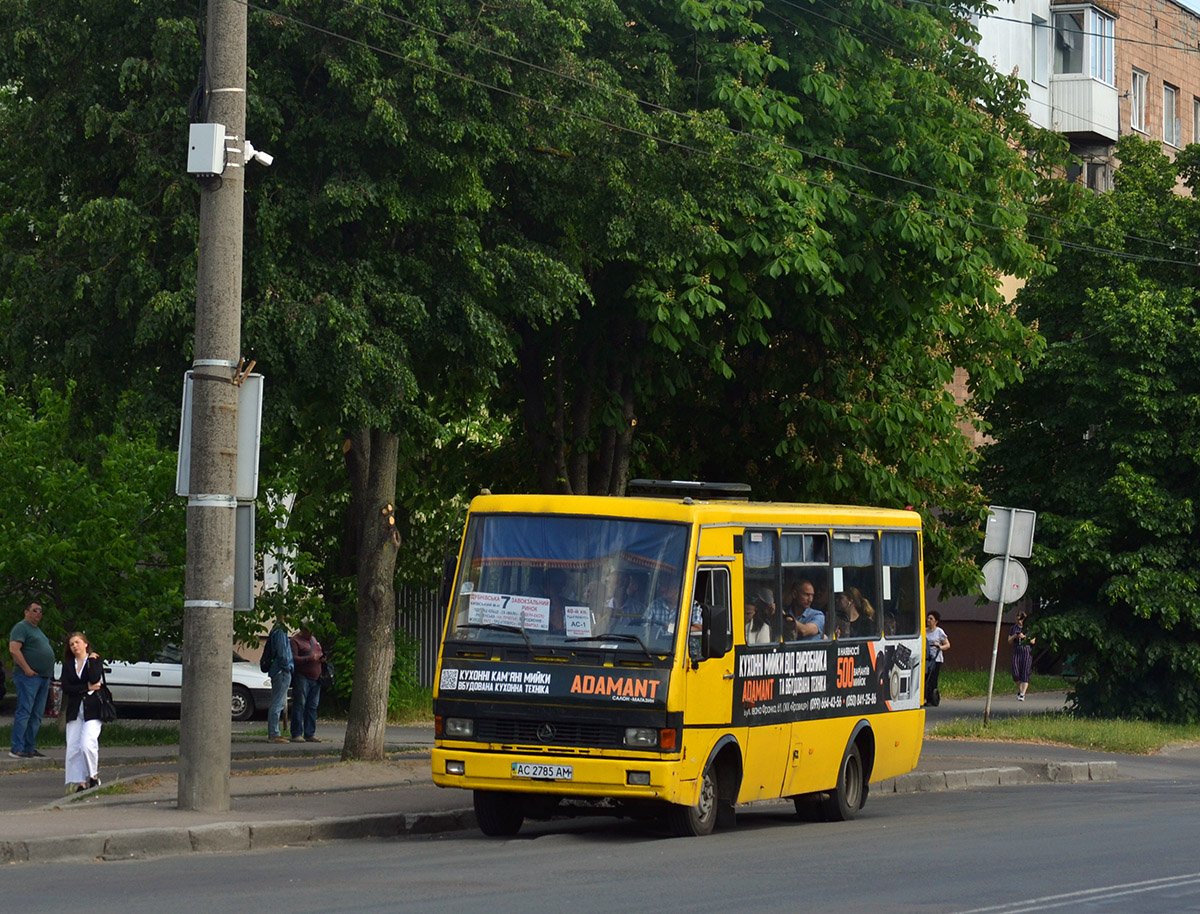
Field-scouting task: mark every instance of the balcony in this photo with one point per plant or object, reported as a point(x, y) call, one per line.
point(1083, 108)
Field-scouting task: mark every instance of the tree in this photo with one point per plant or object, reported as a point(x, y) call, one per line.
point(92, 529)
point(780, 287)
point(592, 208)
point(1103, 440)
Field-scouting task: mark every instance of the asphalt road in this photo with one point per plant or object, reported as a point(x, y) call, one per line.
point(1116, 846)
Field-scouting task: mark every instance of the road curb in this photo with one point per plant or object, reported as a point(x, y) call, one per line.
point(230, 837)
point(239, 837)
point(972, 778)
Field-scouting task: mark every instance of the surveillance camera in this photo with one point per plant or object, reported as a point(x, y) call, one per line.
point(257, 155)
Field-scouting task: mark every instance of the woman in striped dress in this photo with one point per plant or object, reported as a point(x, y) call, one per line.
point(1022, 655)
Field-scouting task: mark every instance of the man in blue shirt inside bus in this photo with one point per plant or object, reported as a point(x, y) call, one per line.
point(803, 623)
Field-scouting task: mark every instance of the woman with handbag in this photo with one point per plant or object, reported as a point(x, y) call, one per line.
point(82, 677)
point(1022, 655)
point(935, 643)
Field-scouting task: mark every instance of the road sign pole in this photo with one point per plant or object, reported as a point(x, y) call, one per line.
point(987, 708)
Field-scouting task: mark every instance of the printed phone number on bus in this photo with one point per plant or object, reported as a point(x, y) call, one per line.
point(542, 772)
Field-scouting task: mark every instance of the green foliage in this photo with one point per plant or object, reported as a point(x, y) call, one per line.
point(1132, 737)
point(974, 683)
point(1103, 440)
point(405, 696)
point(92, 529)
point(545, 245)
point(115, 734)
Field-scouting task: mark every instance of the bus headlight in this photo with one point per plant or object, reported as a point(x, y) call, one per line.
point(641, 738)
point(458, 727)
point(455, 767)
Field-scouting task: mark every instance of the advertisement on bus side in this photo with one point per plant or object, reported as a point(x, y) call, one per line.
point(581, 685)
point(830, 679)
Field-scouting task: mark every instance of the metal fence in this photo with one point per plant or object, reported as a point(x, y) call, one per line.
point(418, 614)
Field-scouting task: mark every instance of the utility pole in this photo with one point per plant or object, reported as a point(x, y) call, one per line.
point(204, 716)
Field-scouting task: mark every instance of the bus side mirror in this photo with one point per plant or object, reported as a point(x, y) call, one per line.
point(716, 635)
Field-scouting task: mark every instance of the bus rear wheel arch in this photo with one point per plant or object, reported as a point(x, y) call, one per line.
point(849, 794)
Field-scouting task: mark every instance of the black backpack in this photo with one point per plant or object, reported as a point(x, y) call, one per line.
point(267, 656)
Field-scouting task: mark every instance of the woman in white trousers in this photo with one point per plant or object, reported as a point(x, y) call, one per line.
point(81, 678)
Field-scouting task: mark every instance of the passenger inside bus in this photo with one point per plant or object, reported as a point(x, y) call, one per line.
point(556, 591)
point(802, 621)
point(632, 606)
point(855, 615)
point(762, 618)
point(665, 606)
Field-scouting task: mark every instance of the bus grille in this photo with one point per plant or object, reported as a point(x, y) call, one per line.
point(544, 733)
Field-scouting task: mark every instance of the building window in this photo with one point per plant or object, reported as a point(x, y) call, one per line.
point(1068, 42)
point(1171, 115)
point(1137, 101)
point(1196, 120)
point(1040, 35)
point(1102, 45)
point(1084, 38)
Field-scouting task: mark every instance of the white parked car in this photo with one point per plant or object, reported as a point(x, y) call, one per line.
point(157, 683)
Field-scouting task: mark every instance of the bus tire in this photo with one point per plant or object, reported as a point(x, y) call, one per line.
point(844, 801)
point(499, 815)
point(699, 820)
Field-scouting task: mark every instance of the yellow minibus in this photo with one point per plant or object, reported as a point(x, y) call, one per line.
point(678, 652)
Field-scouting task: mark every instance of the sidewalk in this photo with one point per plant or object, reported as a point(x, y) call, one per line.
point(297, 793)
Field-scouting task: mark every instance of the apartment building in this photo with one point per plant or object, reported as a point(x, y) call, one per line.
point(1100, 70)
point(1095, 71)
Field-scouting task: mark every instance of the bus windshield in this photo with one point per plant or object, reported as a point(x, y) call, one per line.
point(587, 581)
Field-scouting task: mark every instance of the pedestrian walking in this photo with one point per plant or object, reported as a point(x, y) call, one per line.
point(306, 685)
point(33, 665)
point(281, 668)
point(82, 676)
point(1022, 655)
point(936, 643)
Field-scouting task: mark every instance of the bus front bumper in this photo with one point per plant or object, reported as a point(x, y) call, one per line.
point(566, 775)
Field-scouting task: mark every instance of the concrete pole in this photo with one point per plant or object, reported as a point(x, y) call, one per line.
point(204, 717)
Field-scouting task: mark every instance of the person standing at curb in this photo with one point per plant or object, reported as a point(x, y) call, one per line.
point(81, 678)
point(935, 643)
point(306, 685)
point(1022, 655)
point(279, 646)
point(33, 665)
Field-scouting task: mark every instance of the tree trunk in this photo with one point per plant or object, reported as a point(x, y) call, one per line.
point(371, 463)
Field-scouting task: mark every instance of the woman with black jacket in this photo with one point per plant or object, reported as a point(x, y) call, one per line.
point(82, 676)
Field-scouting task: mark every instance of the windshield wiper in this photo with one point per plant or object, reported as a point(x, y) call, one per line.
point(617, 636)
point(497, 627)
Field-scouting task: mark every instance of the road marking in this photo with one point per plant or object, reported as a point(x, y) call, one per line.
point(1102, 893)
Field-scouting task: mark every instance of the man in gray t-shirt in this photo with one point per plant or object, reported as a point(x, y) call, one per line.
point(33, 665)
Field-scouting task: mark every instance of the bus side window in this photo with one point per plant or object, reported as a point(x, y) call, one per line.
point(760, 572)
point(857, 609)
point(805, 560)
point(901, 584)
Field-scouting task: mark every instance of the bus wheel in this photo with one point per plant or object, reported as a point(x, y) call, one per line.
point(498, 814)
point(696, 821)
point(844, 802)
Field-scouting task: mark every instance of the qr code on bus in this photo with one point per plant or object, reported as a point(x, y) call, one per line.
point(449, 680)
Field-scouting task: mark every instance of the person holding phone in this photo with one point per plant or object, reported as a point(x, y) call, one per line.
point(82, 676)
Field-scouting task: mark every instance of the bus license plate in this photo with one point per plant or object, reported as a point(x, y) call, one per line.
point(542, 772)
